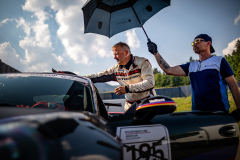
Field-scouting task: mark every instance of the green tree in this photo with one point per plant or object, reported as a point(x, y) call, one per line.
point(185, 81)
point(165, 80)
point(155, 71)
point(238, 73)
point(236, 52)
point(234, 60)
point(191, 59)
point(157, 78)
point(176, 81)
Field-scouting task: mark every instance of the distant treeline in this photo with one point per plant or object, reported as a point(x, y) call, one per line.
point(234, 60)
point(163, 80)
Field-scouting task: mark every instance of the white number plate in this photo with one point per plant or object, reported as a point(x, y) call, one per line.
point(150, 142)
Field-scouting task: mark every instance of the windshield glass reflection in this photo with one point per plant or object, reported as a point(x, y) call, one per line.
point(45, 92)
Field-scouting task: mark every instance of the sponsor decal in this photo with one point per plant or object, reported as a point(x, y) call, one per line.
point(150, 142)
point(156, 100)
point(128, 73)
point(135, 71)
point(124, 22)
point(211, 65)
point(156, 104)
point(127, 78)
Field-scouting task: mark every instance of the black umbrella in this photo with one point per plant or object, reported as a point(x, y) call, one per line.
point(109, 17)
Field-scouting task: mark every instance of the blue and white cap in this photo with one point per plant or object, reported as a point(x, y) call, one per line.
point(206, 38)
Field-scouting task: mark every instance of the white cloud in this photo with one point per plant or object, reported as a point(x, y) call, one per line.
point(80, 48)
point(132, 39)
point(31, 62)
point(58, 58)
point(25, 25)
point(37, 43)
point(4, 21)
point(237, 19)
point(10, 57)
point(231, 47)
point(36, 6)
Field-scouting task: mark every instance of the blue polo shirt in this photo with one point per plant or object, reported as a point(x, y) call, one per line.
point(208, 86)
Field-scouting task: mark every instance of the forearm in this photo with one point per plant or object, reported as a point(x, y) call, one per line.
point(104, 76)
point(143, 86)
point(174, 71)
point(162, 63)
point(236, 95)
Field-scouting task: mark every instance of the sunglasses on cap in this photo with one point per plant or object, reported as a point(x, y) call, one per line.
point(197, 41)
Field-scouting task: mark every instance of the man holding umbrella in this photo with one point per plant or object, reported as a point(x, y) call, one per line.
point(134, 74)
point(208, 76)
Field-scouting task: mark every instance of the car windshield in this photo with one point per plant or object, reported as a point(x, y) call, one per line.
point(45, 92)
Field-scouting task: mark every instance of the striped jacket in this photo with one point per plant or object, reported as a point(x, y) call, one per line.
point(139, 78)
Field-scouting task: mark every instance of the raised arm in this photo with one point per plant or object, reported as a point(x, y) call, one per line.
point(104, 76)
point(174, 71)
point(236, 96)
point(232, 84)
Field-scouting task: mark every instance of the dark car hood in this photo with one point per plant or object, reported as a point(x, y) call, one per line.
point(53, 134)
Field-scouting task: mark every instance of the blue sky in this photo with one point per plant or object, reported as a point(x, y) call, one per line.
point(36, 36)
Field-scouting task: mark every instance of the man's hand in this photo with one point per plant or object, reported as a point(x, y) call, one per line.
point(120, 90)
point(236, 114)
point(152, 47)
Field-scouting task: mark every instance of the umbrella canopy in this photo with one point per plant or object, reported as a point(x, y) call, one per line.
point(109, 17)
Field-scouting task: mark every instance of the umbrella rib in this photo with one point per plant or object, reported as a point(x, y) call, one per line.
point(140, 23)
point(116, 3)
point(110, 19)
point(91, 13)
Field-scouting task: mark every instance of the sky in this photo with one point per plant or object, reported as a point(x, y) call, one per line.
point(38, 35)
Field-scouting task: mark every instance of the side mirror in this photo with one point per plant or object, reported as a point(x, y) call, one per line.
point(153, 106)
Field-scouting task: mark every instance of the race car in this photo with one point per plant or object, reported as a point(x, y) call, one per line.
point(61, 116)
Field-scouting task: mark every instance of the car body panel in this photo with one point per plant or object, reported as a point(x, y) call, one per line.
point(180, 135)
point(192, 133)
point(55, 135)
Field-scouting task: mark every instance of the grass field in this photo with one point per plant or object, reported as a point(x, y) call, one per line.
point(184, 104)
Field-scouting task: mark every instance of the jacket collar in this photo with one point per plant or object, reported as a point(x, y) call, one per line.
point(128, 65)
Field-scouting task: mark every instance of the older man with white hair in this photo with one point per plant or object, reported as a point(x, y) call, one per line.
point(133, 73)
